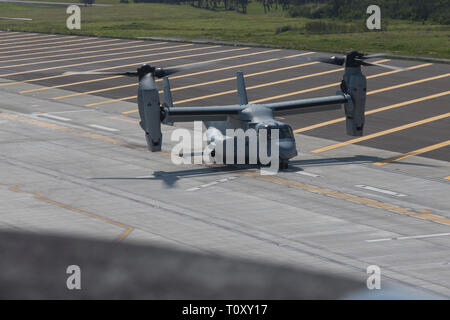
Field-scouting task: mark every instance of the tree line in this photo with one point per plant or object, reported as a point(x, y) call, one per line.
point(418, 10)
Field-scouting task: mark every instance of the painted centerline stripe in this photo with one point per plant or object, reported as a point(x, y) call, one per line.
point(350, 197)
point(392, 106)
point(103, 128)
point(28, 47)
point(101, 61)
point(19, 19)
point(26, 40)
point(206, 71)
point(44, 49)
point(265, 84)
point(184, 87)
point(135, 64)
point(74, 53)
point(211, 183)
point(127, 98)
point(85, 46)
point(94, 56)
point(336, 84)
point(309, 174)
point(411, 237)
point(274, 179)
point(413, 153)
point(51, 116)
point(392, 193)
point(382, 133)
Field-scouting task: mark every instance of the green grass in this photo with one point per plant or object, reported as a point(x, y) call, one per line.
point(143, 20)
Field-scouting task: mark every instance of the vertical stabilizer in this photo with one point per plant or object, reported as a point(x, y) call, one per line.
point(242, 92)
point(167, 93)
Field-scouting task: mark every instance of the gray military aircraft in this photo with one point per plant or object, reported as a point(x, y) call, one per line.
point(257, 116)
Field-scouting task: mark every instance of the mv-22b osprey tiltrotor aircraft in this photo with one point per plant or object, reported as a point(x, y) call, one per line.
point(257, 116)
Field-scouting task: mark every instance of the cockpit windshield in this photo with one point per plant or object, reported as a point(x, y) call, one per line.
point(285, 131)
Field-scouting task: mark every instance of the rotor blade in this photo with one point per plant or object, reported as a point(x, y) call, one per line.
point(128, 74)
point(383, 65)
point(332, 60)
point(172, 70)
point(400, 57)
point(163, 72)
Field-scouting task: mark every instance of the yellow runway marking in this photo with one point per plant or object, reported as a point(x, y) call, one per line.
point(392, 106)
point(109, 42)
point(262, 85)
point(331, 85)
point(39, 196)
point(185, 87)
point(25, 40)
point(253, 87)
point(65, 129)
point(83, 53)
point(409, 83)
point(96, 55)
point(18, 37)
point(78, 53)
point(208, 71)
point(40, 44)
point(100, 61)
point(274, 179)
point(381, 133)
point(69, 84)
point(9, 35)
point(413, 153)
point(350, 197)
point(135, 64)
point(175, 77)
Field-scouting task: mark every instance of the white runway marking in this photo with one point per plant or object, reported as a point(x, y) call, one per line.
point(51, 116)
point(20, 19)
point(411, 237)
point(103, 128)
point(212, 183)
point(392, 193)
point(309, 174)
point(144, 177)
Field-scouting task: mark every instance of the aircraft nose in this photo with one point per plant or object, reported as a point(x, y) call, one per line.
point(287, 148)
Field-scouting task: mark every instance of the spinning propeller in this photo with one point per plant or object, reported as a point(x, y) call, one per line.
point(142, 71)
point(356, 59)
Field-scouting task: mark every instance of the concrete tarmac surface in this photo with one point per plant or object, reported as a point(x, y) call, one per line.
point(73, 160)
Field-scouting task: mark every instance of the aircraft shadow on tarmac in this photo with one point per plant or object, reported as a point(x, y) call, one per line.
point(170, 178)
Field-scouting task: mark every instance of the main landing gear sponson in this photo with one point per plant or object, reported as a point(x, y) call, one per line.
point(284, 164)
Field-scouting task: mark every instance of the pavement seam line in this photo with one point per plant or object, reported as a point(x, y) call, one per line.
point(39, 196)
point(274, 179)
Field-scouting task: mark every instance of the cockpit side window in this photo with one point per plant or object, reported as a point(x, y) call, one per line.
point(286, 132)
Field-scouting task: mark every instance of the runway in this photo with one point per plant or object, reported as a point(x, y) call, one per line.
point(73, 159)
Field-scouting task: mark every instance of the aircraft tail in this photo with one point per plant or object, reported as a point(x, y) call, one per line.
point(242, 92)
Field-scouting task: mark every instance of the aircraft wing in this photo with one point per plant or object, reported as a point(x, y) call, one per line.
point(208, 113)
point(308, 105)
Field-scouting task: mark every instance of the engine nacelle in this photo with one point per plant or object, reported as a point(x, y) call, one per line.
point(355, 85)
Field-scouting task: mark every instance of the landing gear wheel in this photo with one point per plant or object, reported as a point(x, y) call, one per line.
point(284, 164)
